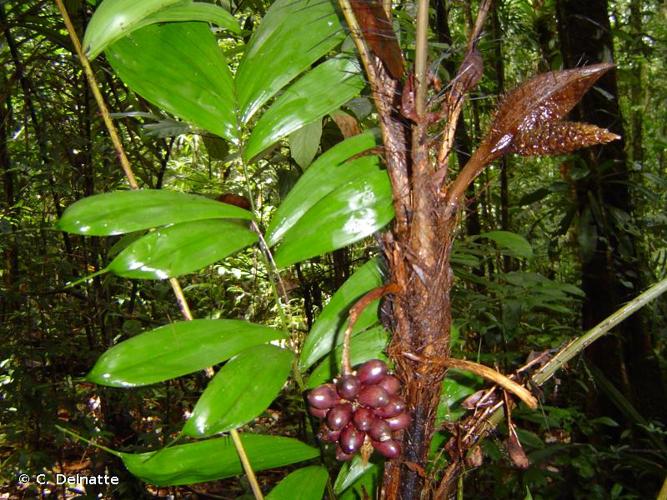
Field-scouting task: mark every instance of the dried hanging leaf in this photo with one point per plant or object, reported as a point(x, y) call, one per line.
point(475, 457)
point(543, 99)
point(475, 400)
point(516, 452)
point(554, 138)
point(348, 124)
point(377, 30)
point(469, 74)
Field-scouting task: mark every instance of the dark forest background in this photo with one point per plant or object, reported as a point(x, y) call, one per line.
point(590, 233)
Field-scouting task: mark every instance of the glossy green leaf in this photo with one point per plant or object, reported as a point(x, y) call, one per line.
point(292, 35)
point(121, 212)
point(458, 385)
point(195, 11)
point(350, 472)
point(322, 337)
point(179, 68)
point(181, 249)
point(177, 349)
point(365, 345)
point(305, 142)
point(320, 91)
point(302, 484)
point(115, 19)
point(350, 213)
point(215, 459)
point(515, 243)
point(240, 391)
point(327, 173)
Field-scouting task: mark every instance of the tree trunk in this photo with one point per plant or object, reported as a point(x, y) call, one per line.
point(10, 246)
point(610, 271)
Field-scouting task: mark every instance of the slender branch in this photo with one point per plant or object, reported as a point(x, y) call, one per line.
point(180, 298)
point(576, 347)
point(482, 14)
point(421, 58)
point(283, 309)
point(479, 159)
point(115, 139)
point(480, 426)
point(353, 315)
point(129, 174)
point(246, 464)
point(662, 495)
point(456, 97)
point(483, 371)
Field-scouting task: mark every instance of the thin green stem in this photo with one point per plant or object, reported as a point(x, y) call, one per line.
point(576, 347)
point(481, 427)
point(129, 174)
point(273, 273)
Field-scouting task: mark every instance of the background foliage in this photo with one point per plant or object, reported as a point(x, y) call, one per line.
point(524, 242)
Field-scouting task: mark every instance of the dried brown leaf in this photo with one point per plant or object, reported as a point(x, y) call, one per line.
point(475, 457)
point(516, 453)
point(379, 34)
point(348, 124)
point(469, 74)
point(475, 400)
point(543, 99)
point(554, 138)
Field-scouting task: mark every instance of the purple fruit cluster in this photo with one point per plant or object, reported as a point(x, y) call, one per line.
point(360, 406)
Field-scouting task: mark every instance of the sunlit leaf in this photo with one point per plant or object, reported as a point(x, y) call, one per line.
point(353, 211)
point(180, 249)
point(177, 349)
point(322, 337)
point(323, 89)
point(292, 36)
point(213, 459)
point(196, 11)
point(240, 391)
point(121, 212)
point(154, 60)
point(114, 19)
point(327, 173)
point(302, 484)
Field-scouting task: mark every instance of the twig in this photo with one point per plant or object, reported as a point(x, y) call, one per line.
point(662, 495)
point(481, 426)
point(421, 58)
point(353, 315)
point(246, 464)
point(131, 179)
point(483, 371)
point(456, 97)
point(574, 348)
point(92, 81)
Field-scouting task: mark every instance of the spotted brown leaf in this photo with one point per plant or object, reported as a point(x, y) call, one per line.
point(544, 99)
point(555, 138)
